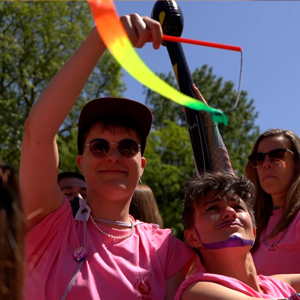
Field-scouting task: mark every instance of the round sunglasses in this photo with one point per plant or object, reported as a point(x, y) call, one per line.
point(100, 147)
point(257, 159)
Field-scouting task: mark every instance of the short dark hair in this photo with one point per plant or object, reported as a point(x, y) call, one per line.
point(222, 183)
point(70, 175)
point(134, 112)
point(112, 123)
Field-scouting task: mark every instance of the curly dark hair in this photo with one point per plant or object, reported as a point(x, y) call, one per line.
point(223, 184)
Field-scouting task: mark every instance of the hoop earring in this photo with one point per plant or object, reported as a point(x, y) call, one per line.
point(140, 180)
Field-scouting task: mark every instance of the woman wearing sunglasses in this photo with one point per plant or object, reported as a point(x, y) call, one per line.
point(274, 169)
point(102, 253)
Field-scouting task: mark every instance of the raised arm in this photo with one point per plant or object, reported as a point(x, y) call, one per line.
point(39, 156)
point(219, 155)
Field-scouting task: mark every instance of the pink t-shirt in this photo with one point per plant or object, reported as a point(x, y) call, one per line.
point(273, 288)
point(134, 268)
point(279, 255)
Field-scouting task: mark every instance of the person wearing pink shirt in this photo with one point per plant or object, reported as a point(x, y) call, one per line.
point(274, 169)
point(102, 253)
point(219, 223)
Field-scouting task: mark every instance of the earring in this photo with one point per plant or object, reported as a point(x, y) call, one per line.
point(140, 180)
point(82, 172)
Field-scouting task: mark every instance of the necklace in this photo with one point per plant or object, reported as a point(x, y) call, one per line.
point(120, 223)
point(113, 236)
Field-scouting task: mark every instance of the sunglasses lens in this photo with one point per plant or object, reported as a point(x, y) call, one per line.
point(274, 155)
point(99, 147)
point(257, 160)
point(277, 154)
point(128, 148)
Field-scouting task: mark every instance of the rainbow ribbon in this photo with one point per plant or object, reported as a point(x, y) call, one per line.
point(116, 40)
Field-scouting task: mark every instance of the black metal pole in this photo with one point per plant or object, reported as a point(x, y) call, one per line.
point(169, 14)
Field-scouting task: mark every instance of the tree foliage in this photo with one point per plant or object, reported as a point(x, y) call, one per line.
point(169, 154)
point(169, 165)
point(37, 38)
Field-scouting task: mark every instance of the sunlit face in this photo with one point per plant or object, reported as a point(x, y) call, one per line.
point(217, 219)
point(112, 177)
point(276, 177)
point(73, 187)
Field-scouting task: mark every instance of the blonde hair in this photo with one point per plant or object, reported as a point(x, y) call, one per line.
point(263, 202)
point(144, 207)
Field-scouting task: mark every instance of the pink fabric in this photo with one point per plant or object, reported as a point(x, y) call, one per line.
point(279, 255)
point(135, 268)
point(274, 288)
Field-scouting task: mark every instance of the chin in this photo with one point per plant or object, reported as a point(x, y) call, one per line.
point(272, 192)
point(270, 189)
point(122, 190)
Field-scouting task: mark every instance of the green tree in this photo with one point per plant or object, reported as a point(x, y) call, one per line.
point(37, 38)
point(169, 154)
point(169, 165)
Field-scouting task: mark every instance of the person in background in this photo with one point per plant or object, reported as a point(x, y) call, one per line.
point(73, 186)
point(219, 223)
point(102, 253)
point(274, 169)
point(143, 206)
point(11, 236)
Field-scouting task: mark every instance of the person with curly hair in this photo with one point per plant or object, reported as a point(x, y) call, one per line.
point(219, 223)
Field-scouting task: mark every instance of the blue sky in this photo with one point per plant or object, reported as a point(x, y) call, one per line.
point(267, 31)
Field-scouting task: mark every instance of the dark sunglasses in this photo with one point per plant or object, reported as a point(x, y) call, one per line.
point(100, 147)
point(257, 159)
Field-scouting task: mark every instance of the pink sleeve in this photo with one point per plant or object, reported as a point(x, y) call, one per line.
point(274, 288)
point(50, 231)
point(179, 255)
